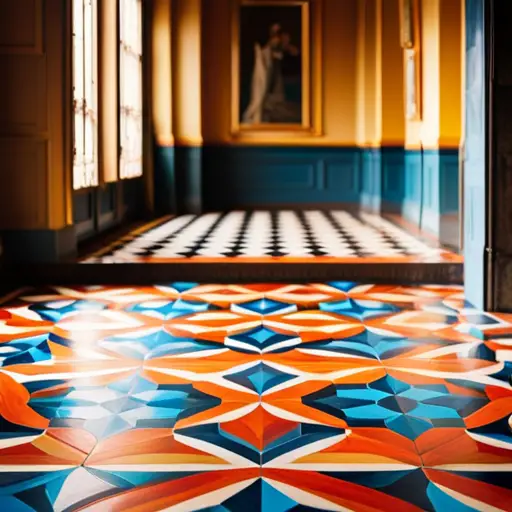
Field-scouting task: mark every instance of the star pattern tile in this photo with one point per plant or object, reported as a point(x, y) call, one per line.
point(264, 397)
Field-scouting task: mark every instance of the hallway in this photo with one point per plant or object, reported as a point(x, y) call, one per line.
point(283, 236)
point(252, 245)
point(256, 397)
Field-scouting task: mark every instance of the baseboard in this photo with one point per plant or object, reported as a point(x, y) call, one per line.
point(133, 274)
point(39, 246)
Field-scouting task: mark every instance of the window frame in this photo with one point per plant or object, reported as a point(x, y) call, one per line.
point(80, 105)
point(129, 113)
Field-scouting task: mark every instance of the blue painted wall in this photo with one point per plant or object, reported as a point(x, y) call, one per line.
point(440, 194)
point(165, 178)
point(392, 179)
point(235, 177)
point(431, 191)
point(178, 179)
point(371, 178)
point(413, 170)
point(189, 175)
point(420, 185)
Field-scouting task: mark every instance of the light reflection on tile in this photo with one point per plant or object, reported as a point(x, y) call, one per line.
point(261, 397)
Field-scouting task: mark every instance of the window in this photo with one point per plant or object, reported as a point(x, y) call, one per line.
point(85, 97)
point(130, 83)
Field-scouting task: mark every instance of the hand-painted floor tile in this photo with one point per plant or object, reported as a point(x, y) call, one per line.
point(88, 489)
point(407, 489)
point(264, 397)
point(265, 236)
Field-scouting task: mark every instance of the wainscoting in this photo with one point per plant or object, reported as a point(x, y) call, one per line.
point(441, 196)
point(422, 186)
point(245, 177)
point(413, 187)
point(431, 198)
point(165, 180)
point(393, 179)
point(178, 179)
point(99, 209)
point(370, 169)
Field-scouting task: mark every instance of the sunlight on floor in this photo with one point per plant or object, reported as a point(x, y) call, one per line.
point(254, 397)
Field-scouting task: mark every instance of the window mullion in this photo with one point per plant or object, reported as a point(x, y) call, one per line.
point(130, 72)
point(85, 164)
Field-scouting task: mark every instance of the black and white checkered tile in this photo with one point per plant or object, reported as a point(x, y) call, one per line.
point(260, 234)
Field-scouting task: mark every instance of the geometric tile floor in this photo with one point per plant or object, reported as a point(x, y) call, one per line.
point(275, 398)
point(284, 236)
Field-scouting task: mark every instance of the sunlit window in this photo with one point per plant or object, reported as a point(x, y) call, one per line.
point(85, 98)
point(130, 82)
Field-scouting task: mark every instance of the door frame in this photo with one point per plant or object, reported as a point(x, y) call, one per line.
point(478, 285)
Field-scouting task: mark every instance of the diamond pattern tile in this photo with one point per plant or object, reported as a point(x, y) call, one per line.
point(264, 397)
point(274, 236)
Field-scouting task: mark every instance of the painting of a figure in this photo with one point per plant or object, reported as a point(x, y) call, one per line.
point(271, 88)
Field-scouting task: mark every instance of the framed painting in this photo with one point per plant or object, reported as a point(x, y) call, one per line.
point(407, 23)
point(276, 67)
point(411, 42)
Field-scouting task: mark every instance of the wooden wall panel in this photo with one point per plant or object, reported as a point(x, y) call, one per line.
point(34, 89)
point(23, 107)
point(21, 26)
point(24, 183)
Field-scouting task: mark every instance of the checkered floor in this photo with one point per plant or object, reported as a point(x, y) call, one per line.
point(261, 236)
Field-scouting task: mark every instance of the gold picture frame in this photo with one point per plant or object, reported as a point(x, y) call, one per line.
point(413, 91)
point(411, 86)
point(310, 71)
point(407, 38)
